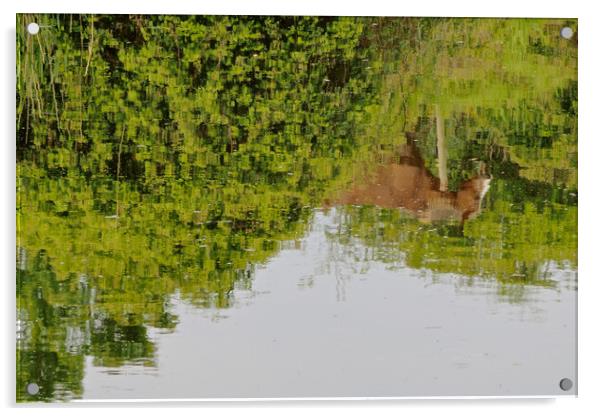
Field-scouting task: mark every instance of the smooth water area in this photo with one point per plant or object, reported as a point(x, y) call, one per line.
point(318, 324)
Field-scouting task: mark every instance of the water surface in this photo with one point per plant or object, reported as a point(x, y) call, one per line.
point(215, 207)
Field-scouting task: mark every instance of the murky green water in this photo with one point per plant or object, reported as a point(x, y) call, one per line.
point(295, 207)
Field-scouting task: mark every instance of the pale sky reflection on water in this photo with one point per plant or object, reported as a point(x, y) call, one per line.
point(390, 332)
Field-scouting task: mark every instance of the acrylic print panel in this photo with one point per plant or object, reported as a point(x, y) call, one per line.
point(285, 207)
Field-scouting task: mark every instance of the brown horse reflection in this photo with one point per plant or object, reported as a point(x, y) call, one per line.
point(406, 183)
